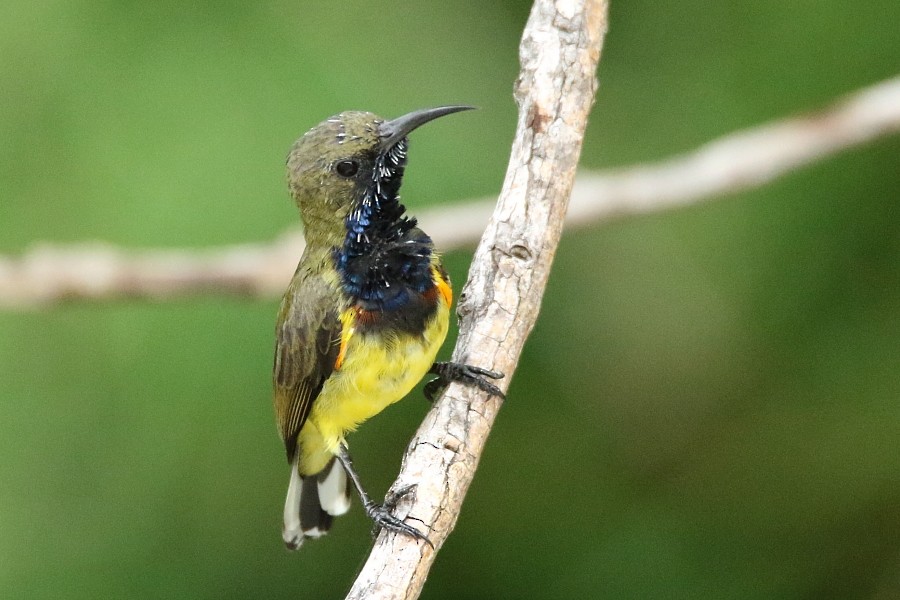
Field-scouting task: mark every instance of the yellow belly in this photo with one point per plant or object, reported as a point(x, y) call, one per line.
point(376, 372)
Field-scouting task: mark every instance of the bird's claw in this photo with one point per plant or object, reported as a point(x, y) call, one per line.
point(383, 519)
point(466, 374)
point(394, 497)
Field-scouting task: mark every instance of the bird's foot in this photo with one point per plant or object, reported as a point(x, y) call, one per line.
point(381, 515)
point(466, 374)
point(394, 497)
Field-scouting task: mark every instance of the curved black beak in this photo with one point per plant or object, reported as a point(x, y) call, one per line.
point(394, 130)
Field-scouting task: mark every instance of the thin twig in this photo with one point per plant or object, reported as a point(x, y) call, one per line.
point(499, 304)
point(49, 274)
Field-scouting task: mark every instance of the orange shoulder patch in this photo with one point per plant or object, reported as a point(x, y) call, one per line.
point(348, 322)
point(442, 282)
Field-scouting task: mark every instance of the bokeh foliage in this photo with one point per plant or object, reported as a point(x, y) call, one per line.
point(708, 407)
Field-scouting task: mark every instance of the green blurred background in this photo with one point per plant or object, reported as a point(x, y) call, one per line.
point(708, 407)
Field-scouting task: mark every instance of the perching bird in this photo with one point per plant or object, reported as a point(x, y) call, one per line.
point(364, 315)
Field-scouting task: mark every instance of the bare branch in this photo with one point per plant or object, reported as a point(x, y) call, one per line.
point(49, 274)
point(499, 304)
point(741, 160)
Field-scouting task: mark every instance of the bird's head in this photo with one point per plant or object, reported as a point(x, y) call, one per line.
point(347, 170)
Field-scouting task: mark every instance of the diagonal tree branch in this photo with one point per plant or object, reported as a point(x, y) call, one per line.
point(47, 274)
point(499, 304)
point(744, 159)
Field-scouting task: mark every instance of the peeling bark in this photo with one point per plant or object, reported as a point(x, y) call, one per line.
point(499, 304)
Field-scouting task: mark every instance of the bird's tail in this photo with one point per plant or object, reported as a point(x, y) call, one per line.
point(313, 501)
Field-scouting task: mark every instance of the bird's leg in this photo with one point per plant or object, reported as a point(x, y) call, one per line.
point(381, 513)
point(466, 374)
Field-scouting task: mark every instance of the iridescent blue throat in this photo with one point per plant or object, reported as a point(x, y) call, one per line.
point(385, 257)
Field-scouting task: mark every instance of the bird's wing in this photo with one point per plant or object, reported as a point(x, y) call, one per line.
point(308, 338)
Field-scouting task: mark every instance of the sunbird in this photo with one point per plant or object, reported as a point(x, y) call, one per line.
point(364, 316)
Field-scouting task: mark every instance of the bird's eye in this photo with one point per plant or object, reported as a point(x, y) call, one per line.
point(347, 168)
